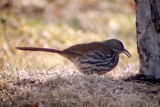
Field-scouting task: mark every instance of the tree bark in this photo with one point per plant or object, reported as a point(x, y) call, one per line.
point(148, 36)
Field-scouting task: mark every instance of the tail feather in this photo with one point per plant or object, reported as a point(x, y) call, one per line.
point(38, 49)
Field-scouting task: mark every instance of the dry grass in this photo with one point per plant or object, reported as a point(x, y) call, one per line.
point(60, 87)
point(28, 79)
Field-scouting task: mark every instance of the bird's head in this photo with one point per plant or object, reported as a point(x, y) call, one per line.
point(117, 46)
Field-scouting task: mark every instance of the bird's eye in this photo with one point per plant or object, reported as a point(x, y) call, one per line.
point(115, 45)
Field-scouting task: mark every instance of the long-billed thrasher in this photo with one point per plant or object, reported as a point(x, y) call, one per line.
point(90, 58)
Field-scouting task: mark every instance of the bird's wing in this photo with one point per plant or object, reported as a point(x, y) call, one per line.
point(81, 49)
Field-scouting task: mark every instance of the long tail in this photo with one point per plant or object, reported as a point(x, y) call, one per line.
point(39, 49)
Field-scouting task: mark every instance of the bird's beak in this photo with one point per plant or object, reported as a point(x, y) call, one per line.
point(127, 53)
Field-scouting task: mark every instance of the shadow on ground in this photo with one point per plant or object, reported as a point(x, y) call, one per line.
point(75, 90)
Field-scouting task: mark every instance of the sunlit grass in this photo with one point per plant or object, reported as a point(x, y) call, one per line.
point(27, 31)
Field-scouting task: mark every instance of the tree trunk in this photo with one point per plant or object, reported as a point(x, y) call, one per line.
point(148, 36)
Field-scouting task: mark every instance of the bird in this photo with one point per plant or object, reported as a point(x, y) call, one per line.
point(90, 58)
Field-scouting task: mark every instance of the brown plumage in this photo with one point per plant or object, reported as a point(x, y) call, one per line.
point(90, 58)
